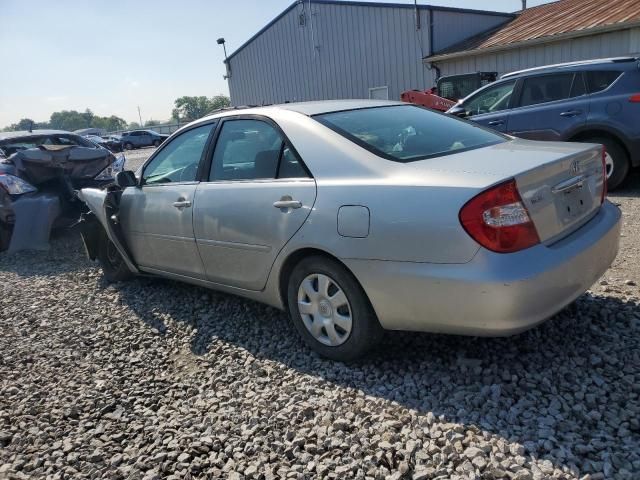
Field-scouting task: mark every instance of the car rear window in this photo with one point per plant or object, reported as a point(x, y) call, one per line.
point(406, 133)
point(600, 80)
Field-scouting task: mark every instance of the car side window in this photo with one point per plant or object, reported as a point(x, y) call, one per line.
point(290, 165)
point(178, 160)
point(546, 88)
point(493, 99)
point(600, 80)
point(249, 149)
point(578, 88)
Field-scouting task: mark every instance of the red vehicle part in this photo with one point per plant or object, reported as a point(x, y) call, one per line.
point(427, 99)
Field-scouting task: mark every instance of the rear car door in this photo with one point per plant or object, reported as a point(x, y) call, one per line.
point(490, 107)
point(258, 194)
point(156, 217)
point(549, 107)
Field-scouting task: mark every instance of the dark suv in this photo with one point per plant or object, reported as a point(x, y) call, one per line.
point(595, 101)
point(142, 138)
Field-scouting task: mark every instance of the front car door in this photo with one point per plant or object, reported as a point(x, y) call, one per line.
point(157, 217)
point(491, 106)
point(549, 107)
point(258, 194)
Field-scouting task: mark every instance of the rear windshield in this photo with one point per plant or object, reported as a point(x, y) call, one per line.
point(405, 133)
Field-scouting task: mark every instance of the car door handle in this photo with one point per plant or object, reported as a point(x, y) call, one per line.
point(287, 204)
point(182, 204)
point(496, 122)
point(571, 113)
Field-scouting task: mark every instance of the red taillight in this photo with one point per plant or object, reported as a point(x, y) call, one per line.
point(635, 98)
point(498, 220)
point(604, 175)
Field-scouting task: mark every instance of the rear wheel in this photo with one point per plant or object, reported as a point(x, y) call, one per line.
point(330, 310)
point(112, 263)
point(616, 161)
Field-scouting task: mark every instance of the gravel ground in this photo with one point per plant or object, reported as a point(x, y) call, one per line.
point(155, 379)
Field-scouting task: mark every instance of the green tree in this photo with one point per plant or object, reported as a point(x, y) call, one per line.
point(152, 123)
point(133, 126)
point(191, 108)
point(24, 124)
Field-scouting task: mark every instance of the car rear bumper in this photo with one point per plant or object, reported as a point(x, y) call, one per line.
point(494, 294)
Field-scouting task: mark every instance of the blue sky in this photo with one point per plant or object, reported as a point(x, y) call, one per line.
point(111, 56)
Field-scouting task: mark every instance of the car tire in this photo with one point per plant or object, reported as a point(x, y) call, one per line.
point(128, 146)
point(618, 161)
point(113, 266)
point(156, 143)
point(336, 294)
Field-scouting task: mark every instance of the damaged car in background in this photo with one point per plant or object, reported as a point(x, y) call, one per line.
point(40, 171)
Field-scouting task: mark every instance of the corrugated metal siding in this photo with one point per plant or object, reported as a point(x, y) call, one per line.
point(451, 28)
point(341, 52)
point(612, 44)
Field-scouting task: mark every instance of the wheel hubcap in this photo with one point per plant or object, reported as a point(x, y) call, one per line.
point(608, 164)
point(324, 309)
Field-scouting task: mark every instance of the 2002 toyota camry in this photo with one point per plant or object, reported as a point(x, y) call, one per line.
point(361, 216)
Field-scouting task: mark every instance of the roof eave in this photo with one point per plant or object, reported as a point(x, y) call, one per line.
point(536, 41)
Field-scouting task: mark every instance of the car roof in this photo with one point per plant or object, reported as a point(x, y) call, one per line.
point(305, 108)
point(586, 64)
point(33, 133)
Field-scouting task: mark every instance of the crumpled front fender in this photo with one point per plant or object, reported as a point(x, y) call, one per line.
point(103, 204)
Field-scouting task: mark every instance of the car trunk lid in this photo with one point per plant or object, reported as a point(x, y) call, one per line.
point(562, 195)
point(560, 183)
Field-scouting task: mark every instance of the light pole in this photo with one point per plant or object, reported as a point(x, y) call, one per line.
point(221, 41)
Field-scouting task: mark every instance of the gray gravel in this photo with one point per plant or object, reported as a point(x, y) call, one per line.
point(155, 379)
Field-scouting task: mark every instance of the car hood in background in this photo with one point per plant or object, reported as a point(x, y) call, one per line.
point(39, 165)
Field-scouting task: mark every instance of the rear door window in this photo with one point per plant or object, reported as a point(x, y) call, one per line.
point(546, 88)
point(407, 133)
point(600, 80)
point(249, 149)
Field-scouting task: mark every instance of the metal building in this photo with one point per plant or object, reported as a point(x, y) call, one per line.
point(558, 32)
point(328, 49)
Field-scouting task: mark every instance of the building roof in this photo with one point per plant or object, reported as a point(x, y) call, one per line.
point(363, 4)
point(550, 22)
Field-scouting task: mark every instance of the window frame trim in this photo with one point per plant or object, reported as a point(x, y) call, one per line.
point(168, 141)
point(208, 164)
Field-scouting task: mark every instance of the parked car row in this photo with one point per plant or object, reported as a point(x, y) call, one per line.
point(595, 101)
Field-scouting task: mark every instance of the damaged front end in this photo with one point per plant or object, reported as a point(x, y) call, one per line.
point(101, 223)
point(38, 190)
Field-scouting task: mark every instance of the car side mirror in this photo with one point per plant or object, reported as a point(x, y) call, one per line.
point(459, 111)
point(126, 179)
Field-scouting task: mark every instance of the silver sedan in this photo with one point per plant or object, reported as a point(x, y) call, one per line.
point(363, 216)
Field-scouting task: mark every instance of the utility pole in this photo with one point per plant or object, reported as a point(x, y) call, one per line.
point(140, 116)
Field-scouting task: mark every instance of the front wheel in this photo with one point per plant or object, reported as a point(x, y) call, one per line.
point(156, 143)
point(112, 263)
point(616, 161)
point(330, 310)
point(128, 146)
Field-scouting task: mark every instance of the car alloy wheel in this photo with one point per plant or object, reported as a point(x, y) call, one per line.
point(325, 309)
point(128, 146)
